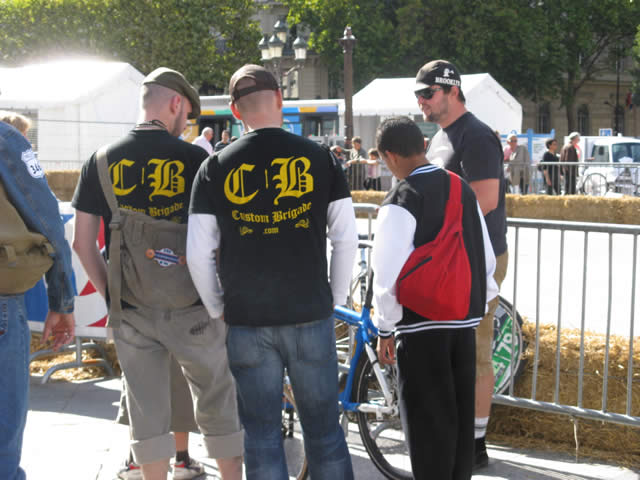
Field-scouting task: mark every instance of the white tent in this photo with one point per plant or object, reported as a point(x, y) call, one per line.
point(385, 97)
point(76, 105)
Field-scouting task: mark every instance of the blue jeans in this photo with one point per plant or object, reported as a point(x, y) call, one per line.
point(14, 383)
point(257, 358)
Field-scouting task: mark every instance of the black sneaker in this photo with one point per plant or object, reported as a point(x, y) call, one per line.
point(480, 457)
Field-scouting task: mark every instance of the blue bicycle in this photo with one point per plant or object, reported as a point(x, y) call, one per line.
point(368, 390)
point(368, 397)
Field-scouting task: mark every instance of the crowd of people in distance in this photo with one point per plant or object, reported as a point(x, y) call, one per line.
point(520, 172)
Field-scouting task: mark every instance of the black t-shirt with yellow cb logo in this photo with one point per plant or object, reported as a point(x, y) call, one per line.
point(270, 192)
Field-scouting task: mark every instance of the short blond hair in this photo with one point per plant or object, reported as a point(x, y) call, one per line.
point(20, 122)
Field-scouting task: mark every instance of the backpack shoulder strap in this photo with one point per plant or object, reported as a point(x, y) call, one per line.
point(114, 277)
point(453, 212)
point(105, 182)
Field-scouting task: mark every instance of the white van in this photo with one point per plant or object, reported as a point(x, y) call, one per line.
point(624, 177)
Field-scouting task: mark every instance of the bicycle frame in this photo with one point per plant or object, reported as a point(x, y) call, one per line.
point(365, 332)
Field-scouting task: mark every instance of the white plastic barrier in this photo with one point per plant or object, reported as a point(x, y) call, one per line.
point(90, 308)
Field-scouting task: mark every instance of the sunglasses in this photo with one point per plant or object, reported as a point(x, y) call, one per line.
point(427, 93)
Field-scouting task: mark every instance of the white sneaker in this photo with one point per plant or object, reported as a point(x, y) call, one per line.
point(182, 471)
point(131, 471)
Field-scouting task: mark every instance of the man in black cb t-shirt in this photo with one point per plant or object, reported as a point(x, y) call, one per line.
point(267, 203)
point(151, 172)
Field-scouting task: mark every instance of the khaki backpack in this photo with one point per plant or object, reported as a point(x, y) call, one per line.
point(25, 256)
point(147, 257)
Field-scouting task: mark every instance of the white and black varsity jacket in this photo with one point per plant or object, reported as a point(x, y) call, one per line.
point(411, 215)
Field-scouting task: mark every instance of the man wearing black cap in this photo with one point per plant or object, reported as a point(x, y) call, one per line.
point(268, 202)
point(470, 148)
point(150, 172)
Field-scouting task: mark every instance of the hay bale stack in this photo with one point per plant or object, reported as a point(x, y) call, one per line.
point(63, 183)
point(533, 429)
point(572, 208)
point(368, 196)
point(575, 208)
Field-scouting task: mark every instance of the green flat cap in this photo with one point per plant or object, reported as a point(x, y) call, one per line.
point(175, 81)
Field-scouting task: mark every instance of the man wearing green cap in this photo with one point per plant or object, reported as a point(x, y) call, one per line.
point(138, 184)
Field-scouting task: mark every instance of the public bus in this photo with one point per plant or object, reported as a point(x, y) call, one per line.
point(309, 118)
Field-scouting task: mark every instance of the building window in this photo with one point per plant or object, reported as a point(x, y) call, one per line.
point(583, 119)
point(543, 121)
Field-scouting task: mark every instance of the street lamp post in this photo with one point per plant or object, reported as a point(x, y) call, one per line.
point(277, 49)
point(348, 41)
point(618, 107)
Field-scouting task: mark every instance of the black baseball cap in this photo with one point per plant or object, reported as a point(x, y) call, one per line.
point(176, 82)
point(263, 80)
point(437, 72)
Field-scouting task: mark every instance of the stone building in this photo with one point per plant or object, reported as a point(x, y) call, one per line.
point(595, 107)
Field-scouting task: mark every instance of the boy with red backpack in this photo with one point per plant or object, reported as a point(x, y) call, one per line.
point(433, 265)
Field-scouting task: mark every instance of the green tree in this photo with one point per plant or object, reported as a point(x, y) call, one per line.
point(372, 25)
point(636, 71)
point(205, 42)
point(538, 49)
point(396, 37)
point(503, 37)
point(32, 29)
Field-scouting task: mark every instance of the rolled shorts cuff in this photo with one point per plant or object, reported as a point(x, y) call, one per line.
point(225, 446)
point(153, 449)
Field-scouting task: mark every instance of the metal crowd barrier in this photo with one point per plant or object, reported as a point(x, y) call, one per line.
point(589, 230)
point(77, 347)
point(589, 178)
point(356, 175)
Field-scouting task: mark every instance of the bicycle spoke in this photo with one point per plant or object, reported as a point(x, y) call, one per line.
point(386, 426)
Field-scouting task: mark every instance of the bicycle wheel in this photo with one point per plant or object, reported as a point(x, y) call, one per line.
point(382, 436)
point(292, 436)
point(503, 361)
point(594, 184)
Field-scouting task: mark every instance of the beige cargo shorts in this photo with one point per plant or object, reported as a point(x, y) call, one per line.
point(145, 342)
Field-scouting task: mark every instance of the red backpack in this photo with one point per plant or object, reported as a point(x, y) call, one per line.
point(435, 281)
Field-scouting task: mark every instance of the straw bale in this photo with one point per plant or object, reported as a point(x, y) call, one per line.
point(42, 364)
point(572, 208)
point(531, 429)
point(63, 183)
point(368, 196)
point(575, 208)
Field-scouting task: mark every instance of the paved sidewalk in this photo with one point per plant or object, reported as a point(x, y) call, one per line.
point(71, 435)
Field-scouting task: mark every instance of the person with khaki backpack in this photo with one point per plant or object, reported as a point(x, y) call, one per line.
point(32, 244)
point(140, 186)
